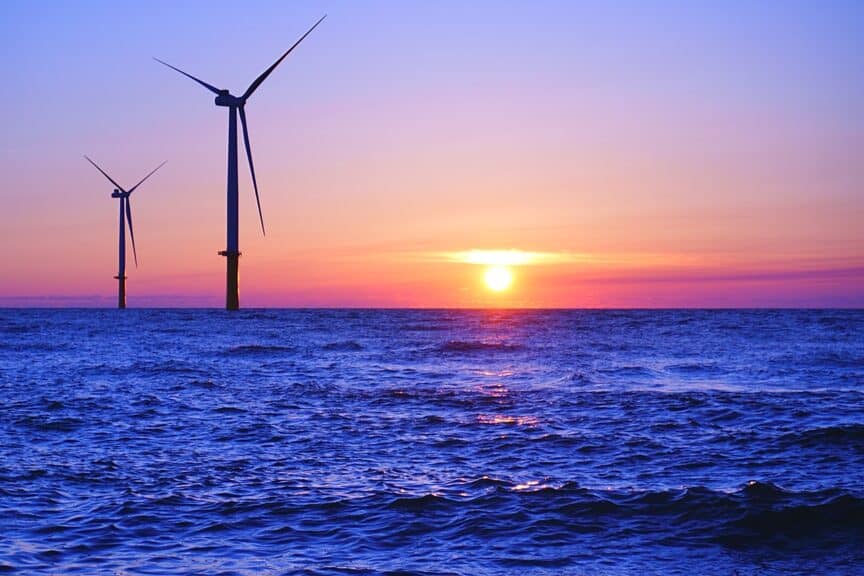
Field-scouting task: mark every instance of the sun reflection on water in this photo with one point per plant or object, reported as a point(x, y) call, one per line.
point(530, 421)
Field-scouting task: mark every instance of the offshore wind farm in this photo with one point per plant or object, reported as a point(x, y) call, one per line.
point(545, 288)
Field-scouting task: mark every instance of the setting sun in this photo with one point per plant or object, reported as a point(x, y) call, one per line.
point(498, 278)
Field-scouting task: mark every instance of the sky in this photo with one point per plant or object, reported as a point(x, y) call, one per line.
point(642, 154)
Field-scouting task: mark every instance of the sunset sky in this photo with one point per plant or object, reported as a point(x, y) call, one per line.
point(637, 154)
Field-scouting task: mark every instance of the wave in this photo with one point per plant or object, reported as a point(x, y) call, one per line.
point(472, 346)
point(851, 435)
point(63, 424)
point(206, 384)
point(838, 359)
point(696, 369)
point(168, 366)
point(580, 377)
point(759, 514)
point(423, 503)
point(229, 410)
point(535, 522)
point(630, 372)
point(424, 328)
point(18, 328)
point(776, 518)
point(346, 346)
point(258, 349)
point(32, 346)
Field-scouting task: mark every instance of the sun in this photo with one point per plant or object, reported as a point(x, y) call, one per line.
point(498, 278)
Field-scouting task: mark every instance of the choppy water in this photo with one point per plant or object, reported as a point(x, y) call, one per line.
point(432, 442)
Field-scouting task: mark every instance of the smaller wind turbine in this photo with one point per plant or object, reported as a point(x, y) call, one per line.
point(125, 209)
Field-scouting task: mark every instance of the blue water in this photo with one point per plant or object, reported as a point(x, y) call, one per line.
point(431, 442)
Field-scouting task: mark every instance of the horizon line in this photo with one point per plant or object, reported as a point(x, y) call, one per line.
point(458, 308)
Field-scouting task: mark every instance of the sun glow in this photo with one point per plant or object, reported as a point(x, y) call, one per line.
point(502, 257)
point(498, 278)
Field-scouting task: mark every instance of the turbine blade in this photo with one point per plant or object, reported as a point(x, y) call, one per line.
point(104, 173)
point(201, 82)
point(146, 177)
point(251, 165)
point(131, 232)
point(262, 77)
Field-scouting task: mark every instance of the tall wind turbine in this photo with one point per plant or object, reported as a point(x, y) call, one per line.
point(235, 105)
point(125, 216)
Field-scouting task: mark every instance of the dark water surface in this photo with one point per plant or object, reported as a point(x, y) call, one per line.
point(432, 442)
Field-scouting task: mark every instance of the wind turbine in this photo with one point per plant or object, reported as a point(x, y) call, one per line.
point(125, 210)
point(235, 105)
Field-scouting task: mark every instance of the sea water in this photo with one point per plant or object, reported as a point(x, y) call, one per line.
point(431, 442)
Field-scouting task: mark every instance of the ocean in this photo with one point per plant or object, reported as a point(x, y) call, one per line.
point(354, 442)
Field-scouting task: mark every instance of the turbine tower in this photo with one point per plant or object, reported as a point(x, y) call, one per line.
point(237, 105)
point(125, 216)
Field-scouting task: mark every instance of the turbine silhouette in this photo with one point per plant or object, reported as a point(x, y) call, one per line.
point(235, 105)
point(125, 216)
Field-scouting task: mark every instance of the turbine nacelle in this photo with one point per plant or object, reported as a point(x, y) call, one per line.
point(225, 98)
point(116, 194)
